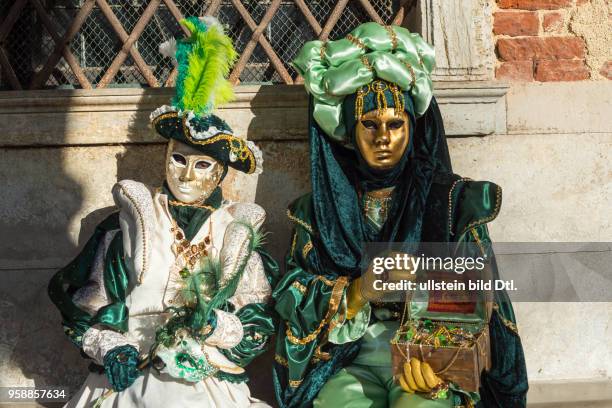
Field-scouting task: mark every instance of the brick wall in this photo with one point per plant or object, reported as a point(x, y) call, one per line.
point(553, 40)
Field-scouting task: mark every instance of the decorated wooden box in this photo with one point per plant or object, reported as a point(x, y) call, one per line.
point(450, 332)
point(460, 364)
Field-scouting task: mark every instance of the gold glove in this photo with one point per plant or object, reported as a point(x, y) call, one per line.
point(354, 299)
point(418, 376)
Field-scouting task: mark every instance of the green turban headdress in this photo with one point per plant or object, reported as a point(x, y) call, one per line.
point(333, 70)
point(204, 60)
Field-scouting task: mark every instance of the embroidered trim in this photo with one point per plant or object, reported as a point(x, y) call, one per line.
point(202, 206)
point(241, 251)
point(366, 62)
point(409, 66)
point(142, 225)
point(334, 303)
point(295, 383)
point(241, 151)
point(248, 212)
point(392, 37)
point(356, 41)
point(510, 325)
point(170, 114)
point(450, 204)
point(281, 360)
point(293, 243)
point(295, 219)
point(97, 342)
point(322, 50)
point(324, 280)
point(478, 242)
point(498, 197)
point(307, 248)
point(303, 289)
point(205, 134)
point(304, 340)
point(319, 356)
point(160, 111)
point(257, 153)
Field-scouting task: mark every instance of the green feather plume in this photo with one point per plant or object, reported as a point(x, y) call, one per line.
point(204, 62)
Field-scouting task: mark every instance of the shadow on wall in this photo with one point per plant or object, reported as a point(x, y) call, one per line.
point(42, 194)
point(60, 183)
point(286, 176)
point(56, 183)
point(143, 162)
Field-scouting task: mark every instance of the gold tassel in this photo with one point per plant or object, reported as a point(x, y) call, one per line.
point(398, 99)
point(381, 102)
point(361, 93)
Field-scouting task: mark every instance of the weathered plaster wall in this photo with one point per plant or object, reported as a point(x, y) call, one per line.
point(555, 169)
point(552, 159)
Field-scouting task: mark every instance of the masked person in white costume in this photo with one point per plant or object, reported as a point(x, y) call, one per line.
point(169, 297)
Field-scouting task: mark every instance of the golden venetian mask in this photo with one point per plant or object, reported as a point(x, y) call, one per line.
point(191, 176)
point(382, 136)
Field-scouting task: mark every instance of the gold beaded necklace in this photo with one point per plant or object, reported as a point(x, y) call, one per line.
point(182, 247)
point(201, 206)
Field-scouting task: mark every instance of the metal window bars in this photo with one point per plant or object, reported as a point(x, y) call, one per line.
point(100, 43)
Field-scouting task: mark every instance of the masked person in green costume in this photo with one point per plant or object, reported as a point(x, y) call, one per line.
point(169, 298)
point(380, 172)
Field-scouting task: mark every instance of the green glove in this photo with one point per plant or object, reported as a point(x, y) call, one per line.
point(121, 367)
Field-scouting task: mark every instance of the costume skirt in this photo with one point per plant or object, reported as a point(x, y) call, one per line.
point(153, 390)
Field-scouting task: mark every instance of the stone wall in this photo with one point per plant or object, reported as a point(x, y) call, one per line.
point(553, 40)
point(549, 145)
point(63, 151)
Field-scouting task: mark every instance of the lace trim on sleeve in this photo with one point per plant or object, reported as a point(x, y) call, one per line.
point(97, 342)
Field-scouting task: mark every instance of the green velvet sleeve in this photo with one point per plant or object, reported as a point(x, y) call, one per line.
point(306, 299)
point(305, 303)
point(76, 274)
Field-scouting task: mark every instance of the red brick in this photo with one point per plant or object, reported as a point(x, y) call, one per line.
point(515, 23)
point(519, 49)
point(561, 70)
point(506, 4)
point(553, 22)
point(515, 71)
point(606, 70)
point(534, 4)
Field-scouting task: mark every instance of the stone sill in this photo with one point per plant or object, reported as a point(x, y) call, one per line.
point(587, 393)
point(472, 108)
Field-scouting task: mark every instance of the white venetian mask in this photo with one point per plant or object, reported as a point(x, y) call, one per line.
point(191, 175)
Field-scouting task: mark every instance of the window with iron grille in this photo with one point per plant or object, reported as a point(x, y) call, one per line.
point(46, 44)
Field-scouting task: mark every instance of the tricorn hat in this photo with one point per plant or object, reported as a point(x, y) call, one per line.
point(203, 61)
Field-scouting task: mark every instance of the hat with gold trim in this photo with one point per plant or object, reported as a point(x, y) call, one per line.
point(203, 62)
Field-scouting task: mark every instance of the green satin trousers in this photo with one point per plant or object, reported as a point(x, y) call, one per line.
point(359, 386)
point(368, 382)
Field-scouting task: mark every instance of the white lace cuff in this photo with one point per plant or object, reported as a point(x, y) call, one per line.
point(96, 343)
point(228, 332)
